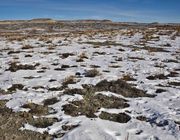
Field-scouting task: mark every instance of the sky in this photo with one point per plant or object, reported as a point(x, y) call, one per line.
point(163, 11)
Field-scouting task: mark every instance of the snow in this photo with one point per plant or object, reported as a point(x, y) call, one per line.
point(162, 110)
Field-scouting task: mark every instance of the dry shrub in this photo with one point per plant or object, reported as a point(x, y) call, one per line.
point(69, 80)
point(92, 73)
point(128, 77)
point(27, 47)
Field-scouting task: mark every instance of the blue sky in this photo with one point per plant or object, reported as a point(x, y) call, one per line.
point(116, 10)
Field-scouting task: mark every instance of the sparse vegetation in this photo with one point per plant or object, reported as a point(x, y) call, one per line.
point(50, 72)
point(14, 87)
point(50, 101)
point(36, 109)
point(27, 47)
point(128, 78)
point(42, 122)
point(92, 73)
point(69, 80)
point(158, 76)
point(14, 66)
point(120, 118)
point(88, 108)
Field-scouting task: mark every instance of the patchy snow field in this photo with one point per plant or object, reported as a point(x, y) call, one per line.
point(53, 72)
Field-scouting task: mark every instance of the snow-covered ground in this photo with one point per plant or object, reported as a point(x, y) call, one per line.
point(152, 63)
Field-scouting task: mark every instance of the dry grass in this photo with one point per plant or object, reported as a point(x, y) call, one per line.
point(69, 80)
point(128, 78)
point(36, 109)
point(81, 57)
point(25, 47)
point(157, 76)
point(92, 73)
point(105, 43)
point(42, 122)
point(91, 103)
point(50, 101)
point(14, 87)
point(121, 117)
point(120, 87)
point(10, 123)
point(14, 66)
point(154, 49)
point(174, 83)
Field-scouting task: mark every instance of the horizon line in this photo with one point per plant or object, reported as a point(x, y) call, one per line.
point(86, 19)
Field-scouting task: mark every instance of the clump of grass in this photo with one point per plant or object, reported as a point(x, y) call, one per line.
point(41, 71)
point(121, 117)
point(91, 103)
point(55, 88)
point(36, 109)
point(159, 90)
point(119, 59)
point(65, 66)
point(141, 118)
point(48, 41)
point(105, 43)
point(51, 47)
point(2, 91)
point(154, 49)
point(114, 66)
point(14, 66)
point(173, 74)
point(157, 76)
point(14, 87)
point(69, 127)
point(136, 58)
point(27, 47)
point(95, 66)
point(13, 52)
point(42, 122)
point(28, 55)
point(52, 80)
point(171, 61)
point(81, 57)
point(50, 101)
point(120, 87)
point(174, 83)
point(66, 55)
point(128, 77)
point(121, 50)
point(69, 80)
point(99, 53)
point(92, 73)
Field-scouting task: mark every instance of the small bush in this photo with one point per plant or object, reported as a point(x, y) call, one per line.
point(92, 73)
